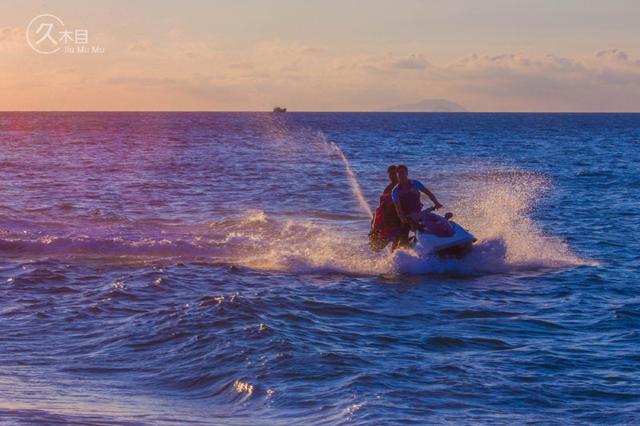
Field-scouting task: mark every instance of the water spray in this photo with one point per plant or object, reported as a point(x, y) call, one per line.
point(353, 181)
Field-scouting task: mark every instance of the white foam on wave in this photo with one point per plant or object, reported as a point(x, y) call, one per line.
point(502, 210)
point(302, 246)
point(496, 205)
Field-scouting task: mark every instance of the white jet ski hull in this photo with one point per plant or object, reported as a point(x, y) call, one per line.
point(456, 245)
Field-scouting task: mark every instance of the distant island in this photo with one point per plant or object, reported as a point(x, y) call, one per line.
point(279, 109)
point(428, 105)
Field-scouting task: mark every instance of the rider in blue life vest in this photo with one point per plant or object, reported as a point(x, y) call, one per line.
point(406, 197)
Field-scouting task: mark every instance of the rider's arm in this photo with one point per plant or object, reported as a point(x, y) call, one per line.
point(428, 193)
point(432, 197)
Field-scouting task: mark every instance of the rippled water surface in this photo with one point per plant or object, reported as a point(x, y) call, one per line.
point(213, 268)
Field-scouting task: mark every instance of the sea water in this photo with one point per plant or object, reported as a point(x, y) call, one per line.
point(213, 268)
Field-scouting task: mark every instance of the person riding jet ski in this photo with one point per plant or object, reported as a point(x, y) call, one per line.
point(434, 234)
point(385, 224)
point(406, 198)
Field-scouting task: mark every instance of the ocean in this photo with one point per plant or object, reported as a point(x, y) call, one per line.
point(213, 268)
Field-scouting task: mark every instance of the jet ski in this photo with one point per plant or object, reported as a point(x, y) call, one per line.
point(434, 234)
point(440, 236)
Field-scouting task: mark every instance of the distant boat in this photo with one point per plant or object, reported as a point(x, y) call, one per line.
point(279, 109)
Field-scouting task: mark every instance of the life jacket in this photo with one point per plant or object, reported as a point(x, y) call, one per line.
point(386, 224)
point(386, 218)
point(409, 198)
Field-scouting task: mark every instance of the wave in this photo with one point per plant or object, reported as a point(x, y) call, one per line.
point(496, 207)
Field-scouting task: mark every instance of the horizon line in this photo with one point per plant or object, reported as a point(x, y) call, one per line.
point(317, 111)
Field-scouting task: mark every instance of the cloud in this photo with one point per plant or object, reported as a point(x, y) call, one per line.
point(241, 65)
point(310, 77)
point(314, 50)
point(514, 64)
point(411, 62)
point(609, 80)
point(549, 64)
point(12, 39)
point(139, 46)
point(144, 81)
point(482, 82)
point(386, 64)
point(199, 88)
point(9, 34)
point(613, 54)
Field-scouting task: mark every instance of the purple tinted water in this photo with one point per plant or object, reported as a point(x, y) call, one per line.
point(213, 268)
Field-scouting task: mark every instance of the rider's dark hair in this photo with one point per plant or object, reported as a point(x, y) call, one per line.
point(402, 166)
point(391, 168)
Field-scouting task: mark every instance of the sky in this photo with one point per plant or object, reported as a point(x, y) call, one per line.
point(347, 55)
